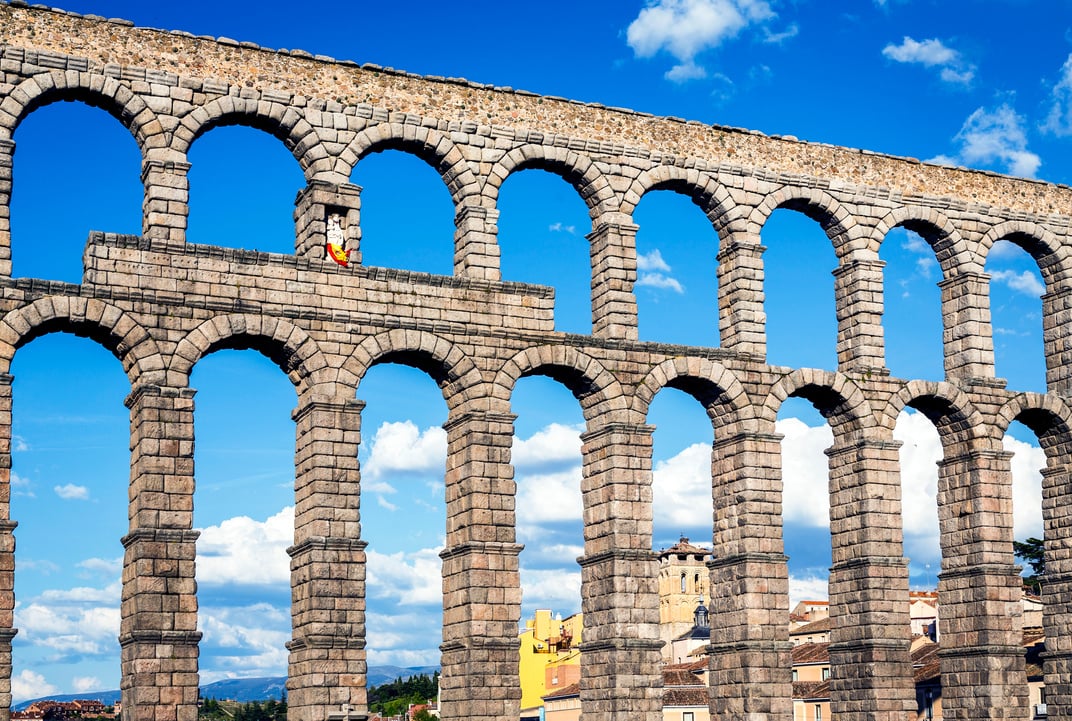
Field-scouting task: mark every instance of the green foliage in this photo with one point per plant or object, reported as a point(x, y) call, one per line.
point(394, 698)
point(1031, 551)
point(270, 710)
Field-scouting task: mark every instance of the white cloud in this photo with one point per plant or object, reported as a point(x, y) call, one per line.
point(1027, 463)
point(245, 640)
point(82, 684)
point(932, 53)
point(1025, 282)
point(403, 639)
point(1059, 120)
point(556, 588)
point(27, 684)
point(562, 228)
point(658, 280)
point(111, 567)
point(384, 503)
point(403, 448)
point(807, 588)
point(550, 447)
point(71, 492)
point(654, 272)
point(652, 261)
point(243, 551)
point(408, 578)
point(67, 628)
point(805, 475)
point(1004, 249)
point(549, 497)
point(681, 487)
point(18, 445)
point(686, 28)
point(990, 137)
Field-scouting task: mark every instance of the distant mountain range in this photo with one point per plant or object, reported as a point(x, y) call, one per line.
point(250, 689)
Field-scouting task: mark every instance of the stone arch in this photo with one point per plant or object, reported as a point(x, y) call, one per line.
point(288, 346)
point(112, 327)
point(1048, 416)
point(277, 119)
point(947, 407)
point(1038, 241)
point(703, 189)
point(430, 145)
point(448, 365)
point(595, 387)
point(576, 169)
point(838, 224)
point(945, 240)
point(835, 395)
point(710, 383)
point(97, 91)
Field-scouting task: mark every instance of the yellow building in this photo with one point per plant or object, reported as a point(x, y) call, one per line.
point(683, 578)
point(550, 658)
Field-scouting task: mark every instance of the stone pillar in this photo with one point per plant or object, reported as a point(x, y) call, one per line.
point(327, 669)
point(859, 302)
point(324, 211)
point(621, 652)
point(476, 245)
point(614, 272)
point(7, 550)
point(158, 628)
point(7, 154)
point(1057, 340)
point(1057, 591)
point(481, 580)
point(751, 663)
point(742, 321)
point(979, 588)
point(166, 205)
point(969, 341)
point(871, 666)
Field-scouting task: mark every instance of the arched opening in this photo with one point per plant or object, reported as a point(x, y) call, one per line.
point(403, 457)
point(546, 456)
point(1028, 460)
point(912, 320)
point(799, 292)
point(542, 227)
point(682, 518)
point(1016, 288)
point(70, 473)
point(677, 283)
point(407, 215)
point(244, 509)
point(243, 182)
point(76, 169)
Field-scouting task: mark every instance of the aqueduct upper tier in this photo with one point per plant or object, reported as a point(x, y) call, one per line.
point(160, 304)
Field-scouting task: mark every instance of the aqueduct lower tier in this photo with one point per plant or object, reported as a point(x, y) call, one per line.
point(161, 304)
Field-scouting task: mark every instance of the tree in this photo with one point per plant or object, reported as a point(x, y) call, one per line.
point(1031, 551)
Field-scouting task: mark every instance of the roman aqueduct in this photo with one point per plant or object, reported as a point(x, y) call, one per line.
point(160, 304)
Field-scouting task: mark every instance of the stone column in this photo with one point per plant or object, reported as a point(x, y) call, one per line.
point(871, 667)
point(7, 154)
point(166, 205)
point(859, 302)
point(620, 651)
point(158, 629)
point(327, 666)
point(614, 272)
point(481, 580)
point(751, 664)
point(1057, 591)
point(7, 550)
point(981, 631)
point(969, 341)
point(476, 245)
point(1057, 339)
point(742, 322)
point(328, 211)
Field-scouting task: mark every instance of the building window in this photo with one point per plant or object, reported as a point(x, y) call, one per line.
point(818, 712)
point(687, 716)
point(794, 675)
point(826, 674)
point(683, 583)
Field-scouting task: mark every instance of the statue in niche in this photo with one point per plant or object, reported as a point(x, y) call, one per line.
point(336, 240)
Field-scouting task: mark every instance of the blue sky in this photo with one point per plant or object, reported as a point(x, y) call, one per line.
point(986, 84)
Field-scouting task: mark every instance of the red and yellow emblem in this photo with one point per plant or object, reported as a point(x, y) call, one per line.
point(338, 254)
